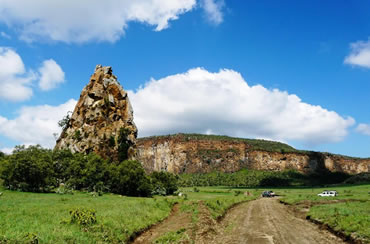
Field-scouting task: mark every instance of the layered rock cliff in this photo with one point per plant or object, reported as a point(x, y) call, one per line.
point(184, 153)
point(102, 121)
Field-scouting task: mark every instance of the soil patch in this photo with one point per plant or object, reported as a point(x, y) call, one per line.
point(175, 221)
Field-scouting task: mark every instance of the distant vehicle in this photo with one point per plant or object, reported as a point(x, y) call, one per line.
point(328, 194)
point(268, 194)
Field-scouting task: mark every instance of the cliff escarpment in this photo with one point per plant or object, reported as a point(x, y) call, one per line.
point(193, 153)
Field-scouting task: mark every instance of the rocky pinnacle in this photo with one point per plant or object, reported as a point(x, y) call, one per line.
point(102, 119)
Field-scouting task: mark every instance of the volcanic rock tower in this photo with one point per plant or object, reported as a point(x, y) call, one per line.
point(102, 121)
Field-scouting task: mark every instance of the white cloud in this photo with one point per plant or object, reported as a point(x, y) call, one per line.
point(36, 125)
point(360, 54)
point(85, 20)
point(363, 129)
point(7, 150)
point(51, 75)
point(14, 80)
point(223, 103)
point(213, 9)
point(4, 35)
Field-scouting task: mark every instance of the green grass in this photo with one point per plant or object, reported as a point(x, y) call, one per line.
point(349, 212)
point(349, 192)
point(25, 215)
point(218, 199)
point(173, 237)
point(353, 218)
point(28, 216)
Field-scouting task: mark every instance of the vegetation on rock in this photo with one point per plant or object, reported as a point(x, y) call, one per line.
point(258, 178)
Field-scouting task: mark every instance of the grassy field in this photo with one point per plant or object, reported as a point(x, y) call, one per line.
point(349, 212)
point(349, 192)
point(26, 217)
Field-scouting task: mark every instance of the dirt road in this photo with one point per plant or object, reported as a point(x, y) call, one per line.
point(267, 221)
point(257, 222)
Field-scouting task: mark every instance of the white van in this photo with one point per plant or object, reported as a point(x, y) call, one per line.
point(328, 194)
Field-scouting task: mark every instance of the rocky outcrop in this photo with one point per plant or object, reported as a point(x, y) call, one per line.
point(102, 121)
point(184, 154)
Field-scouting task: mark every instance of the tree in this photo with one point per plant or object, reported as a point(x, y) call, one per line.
point(29, 169)
point(164, 180)
point(129, 178)
point(65, 121)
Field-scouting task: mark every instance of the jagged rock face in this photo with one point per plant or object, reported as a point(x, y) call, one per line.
point(102, 119)
point(179, 154)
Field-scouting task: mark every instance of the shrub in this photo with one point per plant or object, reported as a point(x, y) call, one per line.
point(77, 135)
point(63, 123)
point(82, 216)
point(164, 180)
point(129, 178)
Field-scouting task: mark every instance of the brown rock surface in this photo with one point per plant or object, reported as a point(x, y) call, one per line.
point(102, 111)
point(186, 154)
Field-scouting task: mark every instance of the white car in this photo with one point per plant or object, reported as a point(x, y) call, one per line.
point(328, 194)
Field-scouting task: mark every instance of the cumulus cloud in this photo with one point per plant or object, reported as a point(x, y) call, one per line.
point(36, 124)
point(86, 20)
point(363, 129)
point(360, 54)
point(213, 10)
point(14, 80)
point(51, 75)
point(224, 103)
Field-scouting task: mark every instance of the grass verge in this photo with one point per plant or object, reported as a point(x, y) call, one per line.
point(351, 218)
point(34, 216)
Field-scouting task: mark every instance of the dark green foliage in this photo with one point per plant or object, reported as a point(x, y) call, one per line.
point(29, 169)
point(77, 135)
point(123, 144)
point(327, 177)
point(362, 178)
point(65, 121)
point(87, 172)
point(41, 170)
point(82, 216)
point(164, 180)
point(129, 178)
point(111, 142)
point(255, 178)
point(61, 162)
point(2, 155)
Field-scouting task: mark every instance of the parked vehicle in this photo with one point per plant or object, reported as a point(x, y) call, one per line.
point(328, 194)
point(268, 194)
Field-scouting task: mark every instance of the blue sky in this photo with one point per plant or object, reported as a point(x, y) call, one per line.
point(293, 71)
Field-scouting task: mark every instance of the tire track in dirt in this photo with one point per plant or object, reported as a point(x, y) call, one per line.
point(267, 221)
point(175, 221)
